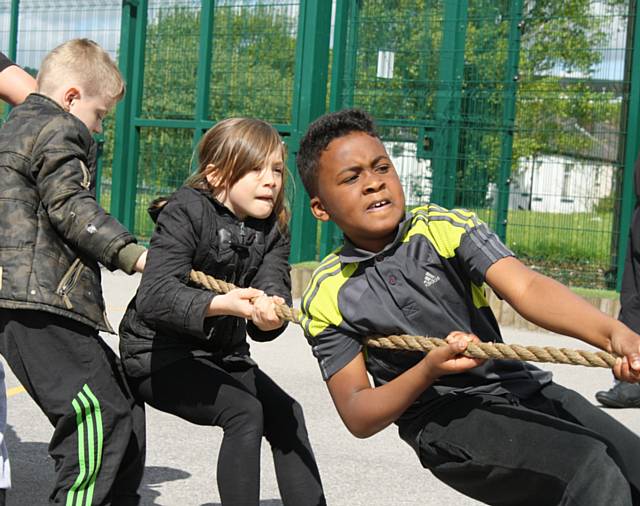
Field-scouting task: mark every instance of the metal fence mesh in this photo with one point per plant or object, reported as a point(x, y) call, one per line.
point(440, 77)
point(253, 63)
point(569, 140)
point(514, 109)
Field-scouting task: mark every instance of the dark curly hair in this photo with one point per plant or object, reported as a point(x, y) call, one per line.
point(320, 133)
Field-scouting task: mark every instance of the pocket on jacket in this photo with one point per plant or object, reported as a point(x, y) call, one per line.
point(68, 281)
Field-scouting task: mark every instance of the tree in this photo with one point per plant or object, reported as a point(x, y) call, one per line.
point(552, 112)
point(252, 72)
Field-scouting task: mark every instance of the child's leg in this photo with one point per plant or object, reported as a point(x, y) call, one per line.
point(98, 443)
point(284, 427)
point(5, 468)
point(198, 390)
point(623, 445)
point(495, 450)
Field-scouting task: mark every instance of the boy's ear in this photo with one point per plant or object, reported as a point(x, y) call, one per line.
point(318, 210)
point(69, 95)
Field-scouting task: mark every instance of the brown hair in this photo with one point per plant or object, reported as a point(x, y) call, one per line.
point(232, 148)
point(82, 61)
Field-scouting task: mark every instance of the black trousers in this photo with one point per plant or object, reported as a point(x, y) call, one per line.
point(554, 448)
point(630, 289)
point(75, 378)
point(248, 405)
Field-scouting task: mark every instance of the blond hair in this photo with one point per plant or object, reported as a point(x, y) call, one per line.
point(234, 147)
point(84, 62)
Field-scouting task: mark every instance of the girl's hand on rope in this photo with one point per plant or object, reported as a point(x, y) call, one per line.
point(626, 343)
point(238, 302)
point(448, 359)
point(264, 314)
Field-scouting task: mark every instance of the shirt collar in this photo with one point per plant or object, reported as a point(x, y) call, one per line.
point(350, 253)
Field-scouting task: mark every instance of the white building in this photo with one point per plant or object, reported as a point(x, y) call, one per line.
point(557, 183)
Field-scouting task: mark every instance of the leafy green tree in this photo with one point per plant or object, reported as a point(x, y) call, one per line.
point(252, 72)
point(251, 75)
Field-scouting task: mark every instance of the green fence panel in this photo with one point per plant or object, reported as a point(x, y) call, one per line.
point(630, 119)
point(569, 140)
point(515, 110)
point(29, 29)
point(526, 112)
point(163, 163)
point(203, 62)
point(309, 102)
point(438, 92)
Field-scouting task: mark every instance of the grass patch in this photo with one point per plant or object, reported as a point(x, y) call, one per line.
point(566, 237)
point(591, 293)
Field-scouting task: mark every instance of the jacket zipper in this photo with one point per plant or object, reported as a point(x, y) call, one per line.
point(68, 281)
point(86, 176)
point(243, 233)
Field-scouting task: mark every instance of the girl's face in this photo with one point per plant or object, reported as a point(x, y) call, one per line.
point(254, 194)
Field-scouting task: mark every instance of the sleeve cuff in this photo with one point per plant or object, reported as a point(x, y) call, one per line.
point(263, 336)
point(128, 256)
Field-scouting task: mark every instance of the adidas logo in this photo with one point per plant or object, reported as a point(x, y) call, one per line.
point(430, 279)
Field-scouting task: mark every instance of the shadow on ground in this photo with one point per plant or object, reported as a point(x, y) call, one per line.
point(32, 474)
point(268, 502)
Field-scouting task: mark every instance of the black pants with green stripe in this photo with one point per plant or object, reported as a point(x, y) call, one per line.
point(75, 378)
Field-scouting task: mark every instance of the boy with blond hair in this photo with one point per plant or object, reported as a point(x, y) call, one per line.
point(53, 235)
point(499, 431)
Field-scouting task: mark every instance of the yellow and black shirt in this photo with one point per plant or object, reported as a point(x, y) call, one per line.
point(428, 281)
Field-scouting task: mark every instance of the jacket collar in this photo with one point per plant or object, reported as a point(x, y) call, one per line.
point(50, 105)
point(44, 101)
point(225, 211)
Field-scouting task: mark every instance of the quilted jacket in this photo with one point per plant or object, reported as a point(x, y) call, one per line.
point(53, 233)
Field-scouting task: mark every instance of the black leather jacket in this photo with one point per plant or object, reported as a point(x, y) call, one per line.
point(53, 233)
point(166, 321)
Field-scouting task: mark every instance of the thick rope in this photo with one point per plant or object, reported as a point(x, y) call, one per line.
point(425, 344)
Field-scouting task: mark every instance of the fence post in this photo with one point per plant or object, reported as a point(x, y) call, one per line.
point(310, 91)
point(632, 131)
point(13, 29)
point(330, 234)
point(13, 42)
point(448, 101)
point(508, 119)
point(204, 68)
point(131, 63)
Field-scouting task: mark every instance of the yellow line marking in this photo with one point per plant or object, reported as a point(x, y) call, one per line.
point(15, 391)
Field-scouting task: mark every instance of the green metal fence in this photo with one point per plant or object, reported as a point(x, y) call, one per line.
point(192, 63)
point(31, 28)
point(525, 111)
point(517, 110)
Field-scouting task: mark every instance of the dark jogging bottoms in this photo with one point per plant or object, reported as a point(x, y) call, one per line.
point(248, 405)
point(75, 378)
point(554, 448)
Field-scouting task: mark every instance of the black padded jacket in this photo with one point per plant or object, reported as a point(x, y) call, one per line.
point(165, 321)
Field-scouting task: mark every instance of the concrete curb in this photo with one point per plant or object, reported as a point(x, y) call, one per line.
point(504, 313)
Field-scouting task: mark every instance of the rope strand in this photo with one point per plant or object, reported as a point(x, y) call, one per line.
point(424, 344)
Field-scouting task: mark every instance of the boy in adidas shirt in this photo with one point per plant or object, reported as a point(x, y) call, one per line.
point(499, 431)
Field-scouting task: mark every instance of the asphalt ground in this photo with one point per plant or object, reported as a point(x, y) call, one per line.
point(181, 457)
